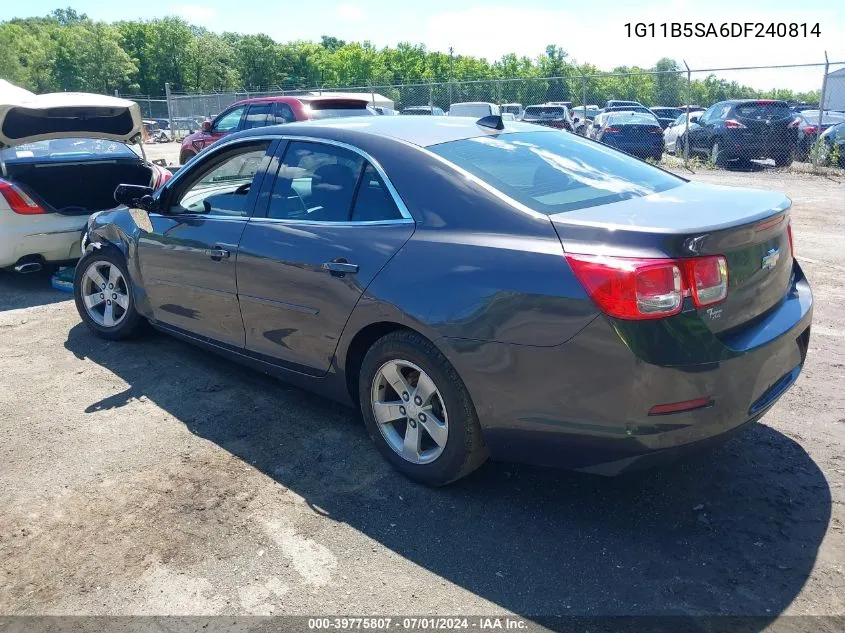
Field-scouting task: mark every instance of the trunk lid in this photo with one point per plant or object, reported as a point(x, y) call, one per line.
point(748, 227)
point(766, 121)
point(68, 115)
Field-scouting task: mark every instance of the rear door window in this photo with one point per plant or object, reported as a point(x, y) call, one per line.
point(257, 116)
point(282, 113)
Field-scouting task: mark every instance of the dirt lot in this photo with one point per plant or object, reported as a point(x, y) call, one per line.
point(153, 478)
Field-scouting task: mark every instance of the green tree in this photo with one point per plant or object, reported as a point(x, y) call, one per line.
point(668, 86)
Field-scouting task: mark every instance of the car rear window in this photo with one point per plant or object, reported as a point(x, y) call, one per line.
point(332, 113)
point(631, 117)
point(552, 172)
point(67, 149)
point(763, 111)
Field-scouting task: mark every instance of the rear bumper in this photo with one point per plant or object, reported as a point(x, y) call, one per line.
point(642, 149)
point(53, 237)
point(585, 404)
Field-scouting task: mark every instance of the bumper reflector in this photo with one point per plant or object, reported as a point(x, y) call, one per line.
point(677, 407)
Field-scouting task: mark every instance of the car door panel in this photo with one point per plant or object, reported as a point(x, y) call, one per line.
point(188, 265)
point(295, 293)
point(188, 259)
point(306, 259)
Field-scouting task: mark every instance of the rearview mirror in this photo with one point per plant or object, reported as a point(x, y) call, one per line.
point(206, 126)
point(135, 196)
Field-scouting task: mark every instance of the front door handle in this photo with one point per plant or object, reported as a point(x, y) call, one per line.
point(217, 253)
point(340, 267)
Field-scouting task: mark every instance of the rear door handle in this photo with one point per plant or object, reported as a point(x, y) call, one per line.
point(217, 253)
point(340, 267)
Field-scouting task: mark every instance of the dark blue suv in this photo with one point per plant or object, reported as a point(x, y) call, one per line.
point(744, 130)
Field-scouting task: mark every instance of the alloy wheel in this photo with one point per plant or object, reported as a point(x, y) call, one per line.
point(410, 411)
point(105, 293)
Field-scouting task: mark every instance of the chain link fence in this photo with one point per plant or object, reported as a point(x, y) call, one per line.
point(710, 118)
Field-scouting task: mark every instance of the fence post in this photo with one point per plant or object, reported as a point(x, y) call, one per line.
point(169, 109)
point(817, 154)
point(686, 126)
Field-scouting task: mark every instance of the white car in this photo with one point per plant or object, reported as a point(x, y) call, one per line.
point(674, 134)
point(61, 157)
point(474, 109)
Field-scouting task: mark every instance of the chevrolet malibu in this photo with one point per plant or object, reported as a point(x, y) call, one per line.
point(476, 288)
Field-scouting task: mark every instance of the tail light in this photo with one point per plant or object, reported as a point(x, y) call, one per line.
point(656, 130)
point(794, 123)
point(611, 129)
point(18, 200)
point(810, 129)
point(162, 176)
point(708, 279)
point(791, 243)
point(733, 124)
point(638, 289)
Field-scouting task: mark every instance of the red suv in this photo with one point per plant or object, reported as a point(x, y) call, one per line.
point(263, 111)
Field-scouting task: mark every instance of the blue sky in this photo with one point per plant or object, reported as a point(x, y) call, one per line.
point(588, 31)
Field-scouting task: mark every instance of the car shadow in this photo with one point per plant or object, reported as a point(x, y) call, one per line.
point(733, 531)
point(28, 290)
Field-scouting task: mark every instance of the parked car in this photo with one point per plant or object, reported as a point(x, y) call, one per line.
point(556, 116)
point(834, 144)
point(634, 133)
point(674, 136)
point(809, 130)
point(64, 155)
point(693, 108)
point(666, 115)
point(746, 129)
point(474, 109)
point(598, 121)
point(586, 112)
point(384, 110)
point(263, 111)
point(423, 111)
point(573, 310)
point(515, 109)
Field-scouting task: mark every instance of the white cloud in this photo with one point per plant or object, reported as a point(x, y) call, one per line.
point(195, 13)
point(350, 12)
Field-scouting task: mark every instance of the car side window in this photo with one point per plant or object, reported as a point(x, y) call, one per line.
point(373, 202)
point(840, 131)
point(257, 116)
point(708, 114)
point(315, 182)
point(681, 120)
point(230, 121)
point(222, 188)
point(282, 113)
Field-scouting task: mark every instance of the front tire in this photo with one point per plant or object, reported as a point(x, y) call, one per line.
point(418, 411)
point(104, 297)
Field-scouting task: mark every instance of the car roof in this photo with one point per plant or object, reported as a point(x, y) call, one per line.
point(300, 98)
point(423, 132)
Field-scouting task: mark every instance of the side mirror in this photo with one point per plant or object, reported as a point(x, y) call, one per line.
point(206, 126)
point(135, 196)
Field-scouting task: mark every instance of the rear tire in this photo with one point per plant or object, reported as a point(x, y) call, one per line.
point(783, 160)
point(716, 155)
point(405, 362)
point(111, 313)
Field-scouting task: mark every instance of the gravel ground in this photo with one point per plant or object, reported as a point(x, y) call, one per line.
point(154, 478)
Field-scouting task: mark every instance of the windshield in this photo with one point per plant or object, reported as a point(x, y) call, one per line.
point(62, 149)
point(552, 173)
